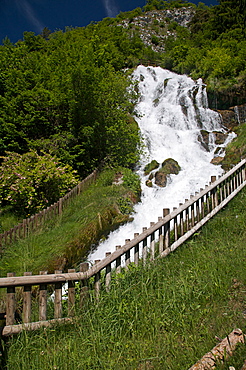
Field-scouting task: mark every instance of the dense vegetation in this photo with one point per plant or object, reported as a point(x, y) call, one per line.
point(164, 315)
point(68, 93)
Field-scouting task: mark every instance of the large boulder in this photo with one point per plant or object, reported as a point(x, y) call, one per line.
point(169, 166)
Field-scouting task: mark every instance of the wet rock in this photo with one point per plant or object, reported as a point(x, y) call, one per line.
point(220, 137)
point(169, 166)
point(229, 118)
point(161, 179)
point(217, 160)
point(203, 138)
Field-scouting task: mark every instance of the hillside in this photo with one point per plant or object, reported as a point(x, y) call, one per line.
point(67, 100)
point(66, 92)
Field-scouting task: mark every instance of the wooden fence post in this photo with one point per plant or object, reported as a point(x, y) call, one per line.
point(244, 174)
point(175, 226)
point(166, 234)
point(127, 255)
point(43, 299)
point(136, 251)
point(152, 244)
point(71, 295)
point(10, 303)
point(27, 301)
point(84, 266)
point(108, 273)
point(118, 261)
point(144, 246)
point(97, 282)
point(58, 298)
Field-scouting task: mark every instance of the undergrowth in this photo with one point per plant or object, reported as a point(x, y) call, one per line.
point(164, 315)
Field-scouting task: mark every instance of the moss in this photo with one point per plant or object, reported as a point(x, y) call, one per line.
point(170, 166)
point(150, 167)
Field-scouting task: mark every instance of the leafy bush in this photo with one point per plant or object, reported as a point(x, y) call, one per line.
point(131, 180)
point(31, 182)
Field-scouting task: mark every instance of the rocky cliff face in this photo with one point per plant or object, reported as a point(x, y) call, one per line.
point(233, 116)
point(156, 25)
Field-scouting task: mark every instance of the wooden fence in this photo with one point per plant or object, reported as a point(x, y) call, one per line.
point(158, 240)
point(33, 223)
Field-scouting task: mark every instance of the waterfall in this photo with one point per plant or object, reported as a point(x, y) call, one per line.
point(171, 112)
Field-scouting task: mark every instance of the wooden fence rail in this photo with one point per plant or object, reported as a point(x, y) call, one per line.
point(33, 223)
point(161, 238)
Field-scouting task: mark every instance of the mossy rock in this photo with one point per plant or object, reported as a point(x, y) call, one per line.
point(150, 167)
point(151, 176)
point(169, 166)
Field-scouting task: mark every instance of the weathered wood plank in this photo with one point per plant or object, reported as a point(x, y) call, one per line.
point(10, 303)
point(136, 251)
point(15, 329)
point(223, 350)
point(27, 301)
point(43, 299)
point(58, 298)
point(108, 274)
point(71, 295)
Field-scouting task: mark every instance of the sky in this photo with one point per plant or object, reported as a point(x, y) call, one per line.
point(17, 16)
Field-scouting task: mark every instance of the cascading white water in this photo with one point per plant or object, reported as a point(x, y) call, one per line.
point(171, 112)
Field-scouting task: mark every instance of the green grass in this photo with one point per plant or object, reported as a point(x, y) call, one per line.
point(8, 220)
point(236, 150)
point(164, 315)
point(63, 242)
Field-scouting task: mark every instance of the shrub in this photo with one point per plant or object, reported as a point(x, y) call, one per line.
point(31, 182)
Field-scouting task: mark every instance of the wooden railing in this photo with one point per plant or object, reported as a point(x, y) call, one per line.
point(158, 240)
point(34, 222)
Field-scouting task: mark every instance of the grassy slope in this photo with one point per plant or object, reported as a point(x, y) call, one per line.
point(64, 241)
point(161, 316)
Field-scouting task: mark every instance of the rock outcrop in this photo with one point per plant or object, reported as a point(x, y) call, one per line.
point(156, 25)
point(168, 167)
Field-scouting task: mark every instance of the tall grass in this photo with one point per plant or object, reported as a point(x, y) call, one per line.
point(164, 315)
point(64, 240)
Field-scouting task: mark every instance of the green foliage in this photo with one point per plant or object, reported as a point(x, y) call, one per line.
point(63, 93)
point(155, 39)
point(31, 182)
point(131, 180)
point(162, 4)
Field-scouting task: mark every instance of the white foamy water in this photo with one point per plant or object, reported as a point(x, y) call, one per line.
point(171, 112)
